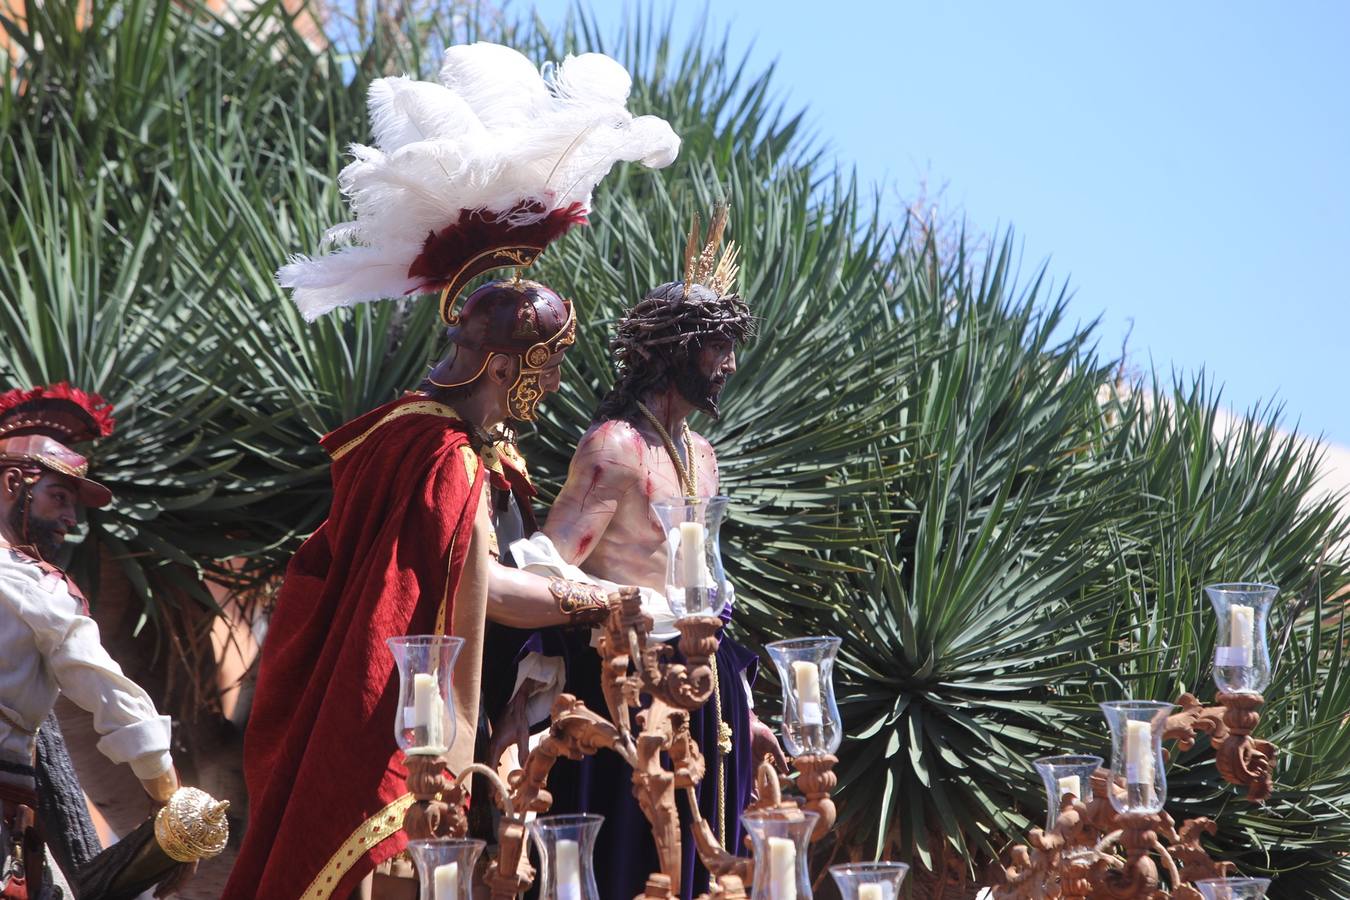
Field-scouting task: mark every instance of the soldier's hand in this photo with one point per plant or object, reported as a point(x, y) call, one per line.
point(584, 604)
point(161, 788)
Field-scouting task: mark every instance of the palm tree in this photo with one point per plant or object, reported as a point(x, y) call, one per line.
point(923, 456)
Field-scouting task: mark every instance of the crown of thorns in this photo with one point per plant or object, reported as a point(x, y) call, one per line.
point(705, 305)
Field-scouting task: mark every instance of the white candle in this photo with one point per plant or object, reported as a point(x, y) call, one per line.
point(426, 694)
point(1071, 784)
point(568, 880)
point(1139, 753)
point(446, 881)
point(1241, 623)
point(807, 677)
point(691, 554)
point(871, 892)
point(1241, 631)
point(782, 869)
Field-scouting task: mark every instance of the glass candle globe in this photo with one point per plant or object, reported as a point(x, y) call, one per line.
point(1065, 775)
point(1241, 654)
point(869, 881)
point(696, 583)
point(424, 722)
point(445, 867)
point(781, 842)
point(1233, 888)
point(1138, 771)
point(811, 721)
point(566, 844)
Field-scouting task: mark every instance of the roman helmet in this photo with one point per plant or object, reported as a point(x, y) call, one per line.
point(481, 169)
point(520, 318)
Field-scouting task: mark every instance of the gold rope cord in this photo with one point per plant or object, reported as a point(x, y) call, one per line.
point(721, 758)
point(688, 477)
point(689, 482)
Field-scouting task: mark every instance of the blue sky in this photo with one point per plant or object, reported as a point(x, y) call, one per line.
point(1184, 166)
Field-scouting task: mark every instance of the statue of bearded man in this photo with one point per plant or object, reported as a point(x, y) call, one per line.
point(676, 351)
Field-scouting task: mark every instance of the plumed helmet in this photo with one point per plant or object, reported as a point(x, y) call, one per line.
point(481, 169)
point(37, 423)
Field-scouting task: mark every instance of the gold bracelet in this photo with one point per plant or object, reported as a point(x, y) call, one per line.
point(576, 599)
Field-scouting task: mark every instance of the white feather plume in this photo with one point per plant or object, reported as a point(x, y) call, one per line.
point(493, 135)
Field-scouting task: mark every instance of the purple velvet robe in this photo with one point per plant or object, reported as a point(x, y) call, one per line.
point(624, 852)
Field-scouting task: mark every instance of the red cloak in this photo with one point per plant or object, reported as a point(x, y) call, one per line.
point(325, 777)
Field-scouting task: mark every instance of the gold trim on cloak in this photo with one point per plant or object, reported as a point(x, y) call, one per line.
point(369, 835)
point(423, 407)
point(471, 461)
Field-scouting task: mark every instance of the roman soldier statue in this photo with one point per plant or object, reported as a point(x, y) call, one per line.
point(50, 646)
point(476, 171)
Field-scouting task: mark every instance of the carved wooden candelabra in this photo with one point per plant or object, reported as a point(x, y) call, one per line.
point(1092, 851)
point(633, 668)
point(1241, 759)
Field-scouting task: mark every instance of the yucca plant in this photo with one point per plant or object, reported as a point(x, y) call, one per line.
point(924, 456)
point(143, 269)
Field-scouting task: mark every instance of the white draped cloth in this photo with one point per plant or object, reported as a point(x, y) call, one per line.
point(48, 647)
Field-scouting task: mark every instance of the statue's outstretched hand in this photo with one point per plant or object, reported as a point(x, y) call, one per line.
point(764, 745)
point(512, 726)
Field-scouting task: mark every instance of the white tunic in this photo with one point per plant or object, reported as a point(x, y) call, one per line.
point(48, 646)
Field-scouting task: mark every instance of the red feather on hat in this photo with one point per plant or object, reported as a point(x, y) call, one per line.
point(78, 415)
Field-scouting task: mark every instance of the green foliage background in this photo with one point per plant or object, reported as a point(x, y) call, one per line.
point(924, 456)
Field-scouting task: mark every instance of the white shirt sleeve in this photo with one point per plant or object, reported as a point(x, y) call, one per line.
point(132, 730)
point(538, 554)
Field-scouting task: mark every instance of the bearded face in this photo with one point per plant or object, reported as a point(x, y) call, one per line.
point(41, 513)
point(698, 390)
point(705, 372)
point(45, 534)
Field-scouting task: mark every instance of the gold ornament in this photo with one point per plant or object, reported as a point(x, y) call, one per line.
point(724, 737)
point(701, 265)
point(192, 825)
